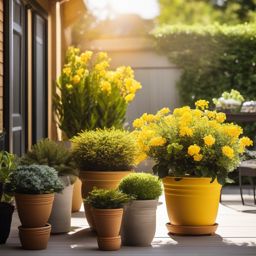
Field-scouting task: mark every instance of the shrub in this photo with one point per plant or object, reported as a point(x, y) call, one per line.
point(213, 58)
point(105, 150)
point(8, 163)
point(142, 186)
point(191, 142)
point(34, 179)
point(107, 199)
point(91, 95)
point(47, 152)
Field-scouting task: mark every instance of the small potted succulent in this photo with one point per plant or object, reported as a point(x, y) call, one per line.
point(139, 221)
point(107, 212)
point(194, 152)
point(7, 165)
point(104, 158)
point(34, 187)
point(56, 155)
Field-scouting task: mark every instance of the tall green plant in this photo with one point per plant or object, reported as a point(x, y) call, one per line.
point(90, 94)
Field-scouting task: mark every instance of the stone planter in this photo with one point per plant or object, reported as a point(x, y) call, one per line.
point(60, 218)
point(139, 222)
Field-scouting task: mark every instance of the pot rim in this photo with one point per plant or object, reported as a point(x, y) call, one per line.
point(111, 172)
point(46, 227)
point(29, 195)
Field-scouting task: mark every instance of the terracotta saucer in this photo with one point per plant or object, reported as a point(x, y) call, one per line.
point(191, 230)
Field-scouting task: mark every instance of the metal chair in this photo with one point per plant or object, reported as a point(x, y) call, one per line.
point(247, 169)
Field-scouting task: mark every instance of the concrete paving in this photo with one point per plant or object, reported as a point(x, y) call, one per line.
point(236, 235)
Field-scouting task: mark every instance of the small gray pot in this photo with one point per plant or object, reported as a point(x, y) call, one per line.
point(60, 218)
point(139, 222)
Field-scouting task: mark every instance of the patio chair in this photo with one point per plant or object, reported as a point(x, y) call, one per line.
point(247, 169)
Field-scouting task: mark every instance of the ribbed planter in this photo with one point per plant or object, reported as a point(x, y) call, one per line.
point(34, 210)
point(139, 223)
point(109, 243)
point(99, 179)
point(60, 218)
point(107, 221)
point(77, 197)
point(191, 201)
point(6, 212)
point(34, 238)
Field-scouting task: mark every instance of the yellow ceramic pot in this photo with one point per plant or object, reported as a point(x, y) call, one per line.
point(191, 201)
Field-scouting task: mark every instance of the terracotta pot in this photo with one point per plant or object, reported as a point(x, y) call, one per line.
point(139, 222)
point(109, 243)
point(107, 221)
point(60, 218)
point(99, 179)
point(34, 210)
point(34, 238)
point(192, 201)
point(77, 197)
point(6, 212)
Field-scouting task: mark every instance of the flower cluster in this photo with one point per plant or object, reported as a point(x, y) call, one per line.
point(195, 142)
point(89, 88)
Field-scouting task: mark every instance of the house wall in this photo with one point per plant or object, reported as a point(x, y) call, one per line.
point(1, 64)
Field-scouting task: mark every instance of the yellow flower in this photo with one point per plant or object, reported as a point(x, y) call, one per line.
point(105, 86)
point(209, 140)
point(157, 141)
point(69, 86)
point(228, 151)
point(129, 97)
point(86, 56)
point(76, 79)
point(186, 131)
point(67, 71)
point(198, 157)
point(233, 130)
point(181, 111)
point(138, 123)
point(211, 114)
point(245, 142)
point(80, 71)
point(220, 117)
point(202, 104)
point(194, 150)
point(163, 111)
point(148, 117)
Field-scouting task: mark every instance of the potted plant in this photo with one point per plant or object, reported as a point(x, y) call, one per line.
point(107, 212)
point(7, 165)
point(91, 94)
point(34, 187)
point(139, 220)
point(194, 151)
point(56, 155)
point(104, 158)
point(229, 101)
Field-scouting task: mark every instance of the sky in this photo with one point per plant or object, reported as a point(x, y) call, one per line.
point(147, 9)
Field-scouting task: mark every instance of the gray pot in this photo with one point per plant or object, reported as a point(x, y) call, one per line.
point(60, 218)
point(139, 222)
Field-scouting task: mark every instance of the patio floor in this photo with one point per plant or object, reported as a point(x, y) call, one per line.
point(236, 235)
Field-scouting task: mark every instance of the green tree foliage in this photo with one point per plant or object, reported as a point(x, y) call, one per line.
point(206, 11)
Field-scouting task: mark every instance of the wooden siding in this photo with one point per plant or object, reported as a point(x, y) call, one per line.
point(1, 64)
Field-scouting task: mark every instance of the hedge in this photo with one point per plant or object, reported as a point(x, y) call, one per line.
point(213, 58)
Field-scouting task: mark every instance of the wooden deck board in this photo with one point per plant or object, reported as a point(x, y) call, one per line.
point(235, 236)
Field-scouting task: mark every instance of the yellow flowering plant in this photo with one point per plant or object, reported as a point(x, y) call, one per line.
point(191, 142)
point(91, 95)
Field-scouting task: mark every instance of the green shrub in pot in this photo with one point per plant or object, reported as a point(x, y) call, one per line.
point(8, 163)
point(59, 157)
point(107, 211)
point(139, 221)
point(56, 155)
point(104, 157)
